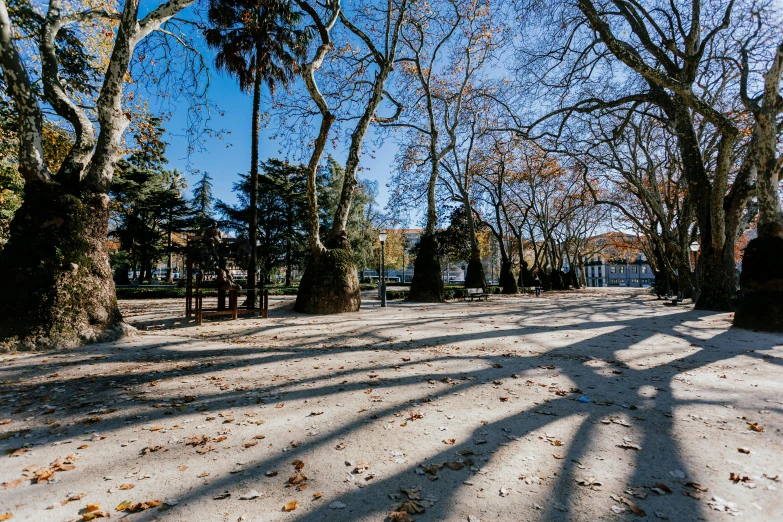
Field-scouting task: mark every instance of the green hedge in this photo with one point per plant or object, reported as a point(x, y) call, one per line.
point(449, 293)
point(154, 292)
point(174, 292)
point(169, 292)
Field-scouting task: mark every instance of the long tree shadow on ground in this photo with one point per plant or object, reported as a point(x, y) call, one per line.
point(596, 365)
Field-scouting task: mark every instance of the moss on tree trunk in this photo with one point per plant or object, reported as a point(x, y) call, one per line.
point(717, 280)
point(58, 289)
point(427, 283)
point(761, 286)
point(508, 281)
point(475, 276)
point(330, 284)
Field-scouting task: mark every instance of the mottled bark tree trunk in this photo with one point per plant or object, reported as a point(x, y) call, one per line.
point(761, 281)
point(330, 283)
point(60, 290)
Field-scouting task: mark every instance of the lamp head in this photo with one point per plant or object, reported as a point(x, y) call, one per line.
point(695, 246)
point(382, 236)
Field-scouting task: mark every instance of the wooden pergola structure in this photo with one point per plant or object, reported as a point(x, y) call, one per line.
point(226, 287)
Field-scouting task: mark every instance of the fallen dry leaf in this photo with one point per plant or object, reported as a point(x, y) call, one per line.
point(6, 516)
point(290, 506)
point(411, 506)
point(125, 487)
point(73, 498)
point(735, 477)
point(450, 442)
point(297, 478)
point(92, 507)
point(633, 507)
point(400, 516)
point(198, 440)
point(138, 506)
point(13, 483)
point(743, 450)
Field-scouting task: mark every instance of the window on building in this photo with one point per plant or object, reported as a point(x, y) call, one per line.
point(634, 280)
point(614, 269)
point(622, 269)
point(635, 268)
point(644, 269)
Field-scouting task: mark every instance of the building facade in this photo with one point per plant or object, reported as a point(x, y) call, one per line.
point(619, 273)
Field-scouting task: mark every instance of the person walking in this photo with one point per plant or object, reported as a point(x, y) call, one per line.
point(538, 286)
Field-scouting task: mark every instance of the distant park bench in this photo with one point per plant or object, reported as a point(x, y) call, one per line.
point(674, 299)
point(476, 293)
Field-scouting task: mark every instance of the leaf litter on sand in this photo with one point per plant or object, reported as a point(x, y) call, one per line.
point(633, 507)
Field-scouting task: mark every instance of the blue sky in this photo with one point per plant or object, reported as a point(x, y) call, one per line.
point(224, 164)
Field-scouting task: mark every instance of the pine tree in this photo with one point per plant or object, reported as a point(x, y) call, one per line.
point(202, 202)
point(282, 217)
point(147, 204)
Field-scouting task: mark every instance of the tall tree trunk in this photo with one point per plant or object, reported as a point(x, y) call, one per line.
point(475, 277)
point(761, 281)
point(427, 281)
point(252, 231)
point(58, 290)
point(330, 283)
point(170, 261)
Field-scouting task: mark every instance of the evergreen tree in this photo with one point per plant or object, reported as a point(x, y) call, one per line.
point(454, 240)
point(147, 204)
point(203, 202)
point(281, 211)
point(177, 212)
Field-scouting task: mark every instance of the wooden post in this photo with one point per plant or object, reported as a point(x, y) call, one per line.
point(189, 281)
point(233, 303)
point(265, 313)
point(199, 300)
point(221, 305)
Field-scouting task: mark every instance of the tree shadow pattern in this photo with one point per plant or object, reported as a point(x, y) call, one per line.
point(596, 363)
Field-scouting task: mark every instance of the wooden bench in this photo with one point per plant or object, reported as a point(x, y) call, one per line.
point(476, 293)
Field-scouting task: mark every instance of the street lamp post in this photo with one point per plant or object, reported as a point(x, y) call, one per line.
point(695, 269)
point(382, 237)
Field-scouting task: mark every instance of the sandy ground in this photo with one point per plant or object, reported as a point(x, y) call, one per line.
point(592, 405)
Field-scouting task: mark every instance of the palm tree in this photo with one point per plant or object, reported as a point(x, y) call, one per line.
point(258, 43)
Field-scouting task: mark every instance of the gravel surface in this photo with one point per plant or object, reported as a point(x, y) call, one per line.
point(589, 405)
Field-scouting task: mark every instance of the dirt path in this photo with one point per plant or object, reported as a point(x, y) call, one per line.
point(596, 405)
